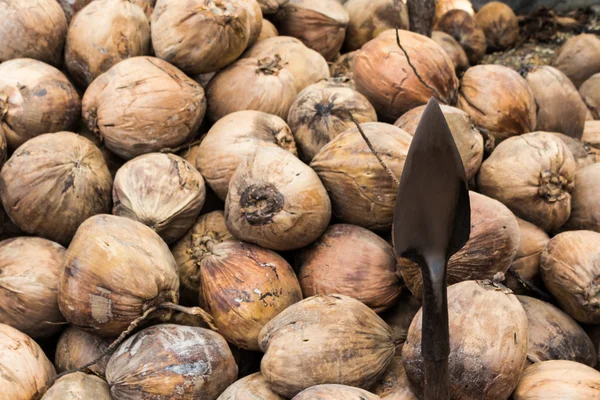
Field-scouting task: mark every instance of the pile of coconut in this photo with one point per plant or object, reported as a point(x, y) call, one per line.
point(189, 210)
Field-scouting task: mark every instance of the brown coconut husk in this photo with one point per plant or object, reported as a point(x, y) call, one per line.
point(591, 136)
point(342, 66)
point(443, 6)
point(76, 348)
point(453, 49)
point(78, 386)
point(582, 153)
point(113, 161)
point(589, 92)
point(394, 384)
point(500, 25)
point(462, 27)
point(579, 58)
point(269, 7)
point(585, 208)
point(335, 392)
point(267, 31)
point(251, 387)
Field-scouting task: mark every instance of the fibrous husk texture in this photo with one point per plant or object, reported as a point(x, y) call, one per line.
point(76, 348)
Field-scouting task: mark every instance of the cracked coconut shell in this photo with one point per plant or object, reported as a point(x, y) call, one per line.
point(276, 201)
point(590, 93)
point(443, 6)
point(462, 27)
point(76, 348)
point(488, 342)
point(571, 272)
point(335, 392)
point(243, 287)
point(171, 362)
point(24, 368)
point(102, 34)
point(54, 182)
point(491, 248)
point(394, 384)
point(324, 110)
point(578, 58)
point(500, 25)
point(362, 193)
point(453, 49)
point(162, 191)
point(353, 261)
point(35, 98)
point(531, 174)
point(115, 270)
point(498, 99)
point(32, 29)
point(251, 387)
point(585, 207)
point(267, 30)
point(78, 386)
point(553, 335)
point(235, 137)
point(143, 104)
point(319, 24)
point(382, 73)
point(315, 333)
point(29, 271)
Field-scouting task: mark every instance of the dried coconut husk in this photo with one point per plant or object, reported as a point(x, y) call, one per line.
point(462, 27)
point(591, 136)
point(102, 34)
point(259, 84)
point(394, 384)
point(468, 139)
point(335, 392)
point(498, 99)
point(342, 66)
point(76, 348)
point(54, 182)
point(500, 25)
point(243, 287)
point(24, 368)
point(319, 24)
point(29, 271)
point(235, 137)
point(368, 18)
point(488, 342)
point(162, 191)
point(35, 98)
point(362, 193)
point(143, 104)
point(453, 49)
point(382, 73)
point(579, 58)
point(582, 153)
point(531, 174)
point(251, 387)
point(443, 6)
point(559, 105)
point(314, 332)
point(276, 201)
point(353, 261)
point(324, 110)
point(590, 93)
point(256, 20)
point(558, 379)
point(113, 161)
point(269, 7)
point(585, 205)
point(171, 362)
point(400, 316)
point(267, 31)
point(553, 335)
point(177, 27)
point(78, 386)
point(71, 7)
point(32, 29)
point(570, 271)
point(116, 269)
point(491, 247)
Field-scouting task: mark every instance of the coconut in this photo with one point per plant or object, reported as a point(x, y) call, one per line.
point(71, 7)
point(306, 65)
point(462, 27)
point(488, 342)
point(24, 368)
point(113, 162)
point(324, 110)
point(581, 152)
point(78, 386)
point(382, 73)
point(585, 207)
point(76, 348)
point(362, 193)
point(29, 270)
point(269, 7)
point(559, 105)
point(177, 27)
point(589, 93)
point(32, 29)
point(394, 384)
point(491, 247)
point(54, 182)
point(532, 175)
point(453, 49)
point(116, 269)
point(591, 136)
point(163, 191)
point(251, 387)
point(500, 25)
point(268, 30)
point(335, 392)
point(400, 316)
point(368, 18)
point(143, 104)
point(579, 58)
point(353, 261)
point(35, 98)
point(553, 335)
point(342, 66)
point(256, 20)
point(443, 6)
point(319, 24)
point(172, 362)
point(276, 201)
point(467, 138)
point(498, 99)
point(559, 379)
point(570, 271)
point(316, 332)
point(102, 34)
point(235, 137)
